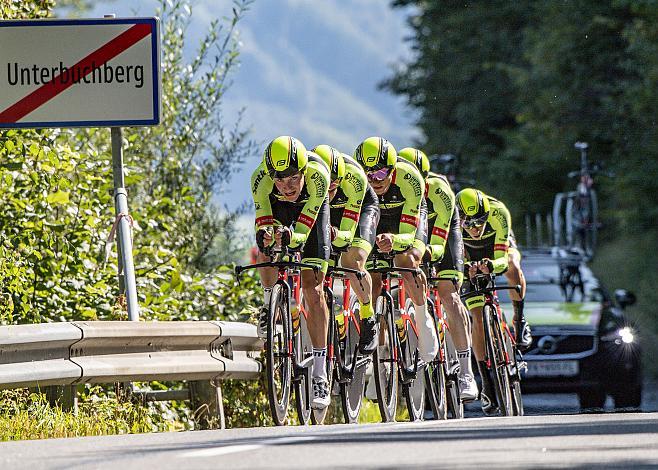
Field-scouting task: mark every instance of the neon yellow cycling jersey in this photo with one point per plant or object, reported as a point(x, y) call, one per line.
point(401, 204)
point(440, 207)
point(349, 196)
point(316, 187)
point(495, 241)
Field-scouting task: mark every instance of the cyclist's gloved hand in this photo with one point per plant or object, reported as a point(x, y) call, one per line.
point(486, 266)
point(264, 238)
point(282, 236)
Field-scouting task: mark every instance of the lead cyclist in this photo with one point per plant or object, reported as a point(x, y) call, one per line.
point(290, 189)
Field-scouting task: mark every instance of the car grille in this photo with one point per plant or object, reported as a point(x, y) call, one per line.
point(564, 345)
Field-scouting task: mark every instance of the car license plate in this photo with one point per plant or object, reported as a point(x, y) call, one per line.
point(552, 368)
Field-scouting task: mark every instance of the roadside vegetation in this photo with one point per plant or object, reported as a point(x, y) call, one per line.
point(58, 211)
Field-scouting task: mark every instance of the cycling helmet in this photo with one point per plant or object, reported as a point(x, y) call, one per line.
point(375, 153)
point(418, 158)
point(334, 160)
point(473, 206)
point(285, 156)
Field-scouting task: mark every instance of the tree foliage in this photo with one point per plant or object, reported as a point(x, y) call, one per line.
point(510, 86)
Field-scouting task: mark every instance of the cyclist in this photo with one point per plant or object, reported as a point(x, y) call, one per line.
point(354, 211)
point(445, 251)
point(292, 209)
point(491, 247)
point(402, 227)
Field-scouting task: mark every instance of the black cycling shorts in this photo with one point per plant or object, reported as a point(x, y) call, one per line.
point(318, 243)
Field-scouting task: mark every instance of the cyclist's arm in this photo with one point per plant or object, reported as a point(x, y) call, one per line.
point(501, 222)
point(317, 185)
point(354, 186)
point(411, 186)
point(261, 188)
point(443, 201)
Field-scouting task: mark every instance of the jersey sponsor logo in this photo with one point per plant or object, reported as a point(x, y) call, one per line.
point(439, 232)
point(444, 198)
point(320, 184)
point(354, 181)
point(265, 220)
point(258, 180)
point(306, 220)
point(408, 219)
point(348, 214)
point(500, 247)
point(414, 184)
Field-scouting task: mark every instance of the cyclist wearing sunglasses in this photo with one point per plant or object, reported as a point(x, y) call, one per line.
point(491, 247)
point(445, 252)
point(402, 227)
point(290, 190)
point(354, 212)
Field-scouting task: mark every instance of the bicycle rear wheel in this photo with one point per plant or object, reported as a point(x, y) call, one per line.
point(414, 390)
point(351, 392)
point(498, 364)
point(385, 367)
point(514, 375)
point(279, 357)
point(454, 402)
point(302, 379)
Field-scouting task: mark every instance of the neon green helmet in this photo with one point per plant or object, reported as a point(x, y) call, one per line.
point(285, 156)
point(334, 160)
point(473, 206)
point(375, 153)
point(418, 158)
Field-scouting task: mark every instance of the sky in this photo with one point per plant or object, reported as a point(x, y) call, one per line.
point(310, 69)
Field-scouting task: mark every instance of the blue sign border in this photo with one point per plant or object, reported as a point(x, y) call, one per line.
point(155, 63)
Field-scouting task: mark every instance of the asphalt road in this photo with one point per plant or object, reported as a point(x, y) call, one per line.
point(619, 440)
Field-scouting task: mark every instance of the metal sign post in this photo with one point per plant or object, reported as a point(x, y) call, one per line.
point(127, 281)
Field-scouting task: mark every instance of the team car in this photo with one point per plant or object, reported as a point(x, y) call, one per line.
point(582, 341)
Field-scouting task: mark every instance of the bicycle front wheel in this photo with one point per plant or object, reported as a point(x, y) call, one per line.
point(279, 356)
point(414, 389)
point(303, 351)
point(496, 352)
point(385, 367)
point(514, 375)
point(318, 416)
point(435, 377)
point(352, 392)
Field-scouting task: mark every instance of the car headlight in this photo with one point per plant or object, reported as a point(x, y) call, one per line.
point(621, 336)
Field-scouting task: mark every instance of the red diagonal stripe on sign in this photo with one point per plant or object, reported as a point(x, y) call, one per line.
point(100, 56)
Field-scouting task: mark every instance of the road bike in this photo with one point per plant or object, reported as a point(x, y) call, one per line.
point(503, 360)
point(581, 212)
point(441, 375)
point(396, 356)
point(288, 349)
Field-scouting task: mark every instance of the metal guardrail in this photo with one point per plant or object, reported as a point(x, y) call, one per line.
point(112, 351)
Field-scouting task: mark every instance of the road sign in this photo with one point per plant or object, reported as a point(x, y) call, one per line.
point(80, 73)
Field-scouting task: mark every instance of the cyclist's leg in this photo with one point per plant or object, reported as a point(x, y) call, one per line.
point(317, 251)
point(515, 276)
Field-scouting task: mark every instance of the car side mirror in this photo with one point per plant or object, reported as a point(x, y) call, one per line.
point(625, 298)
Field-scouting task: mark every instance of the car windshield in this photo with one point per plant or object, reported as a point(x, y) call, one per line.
point(550, 282)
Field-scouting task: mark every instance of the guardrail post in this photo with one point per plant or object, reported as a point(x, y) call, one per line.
point(539, 228)
point(528, 231)
point(206, 397)
point(549, 230)
point(63, 396)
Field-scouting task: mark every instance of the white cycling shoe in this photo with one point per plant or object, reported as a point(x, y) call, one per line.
point(321, 397)
point(468, 389)
point(428, 343)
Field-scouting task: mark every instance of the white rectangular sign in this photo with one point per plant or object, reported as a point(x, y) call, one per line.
point(80, 73)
